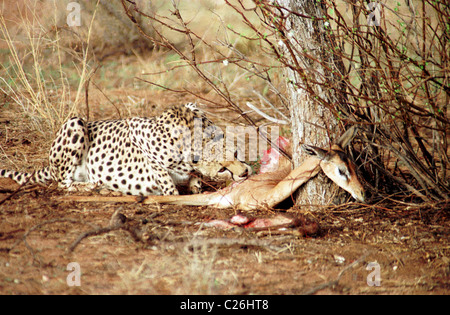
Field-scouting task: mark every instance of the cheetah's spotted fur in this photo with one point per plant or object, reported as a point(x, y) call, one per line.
point(136, 156)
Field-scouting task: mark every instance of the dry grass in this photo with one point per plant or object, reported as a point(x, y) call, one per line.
point(46, 64)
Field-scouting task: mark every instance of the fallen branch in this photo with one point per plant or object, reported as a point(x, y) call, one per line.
point(117, 221)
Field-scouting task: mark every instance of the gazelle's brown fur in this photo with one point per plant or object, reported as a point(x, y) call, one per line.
point(269, 189)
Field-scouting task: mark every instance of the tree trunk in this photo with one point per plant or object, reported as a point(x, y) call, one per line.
point(312, 122)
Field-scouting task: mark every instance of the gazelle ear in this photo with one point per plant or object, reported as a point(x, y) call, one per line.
point(347, 137)
point(314, 151)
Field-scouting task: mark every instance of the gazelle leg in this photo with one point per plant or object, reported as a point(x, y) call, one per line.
point(297, 177)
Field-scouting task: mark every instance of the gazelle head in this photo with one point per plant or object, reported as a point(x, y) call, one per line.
point(337, 166)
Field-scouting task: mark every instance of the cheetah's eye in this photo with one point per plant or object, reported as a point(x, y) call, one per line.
point(223, 169)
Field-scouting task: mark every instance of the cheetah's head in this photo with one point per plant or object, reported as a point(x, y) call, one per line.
point(223, 171)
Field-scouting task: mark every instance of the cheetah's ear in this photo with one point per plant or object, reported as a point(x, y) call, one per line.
point(191, 105)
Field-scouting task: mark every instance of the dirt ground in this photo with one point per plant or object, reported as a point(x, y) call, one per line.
point(183, 256)
point(406, 245)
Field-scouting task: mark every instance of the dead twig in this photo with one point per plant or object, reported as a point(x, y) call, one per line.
point(117, 221)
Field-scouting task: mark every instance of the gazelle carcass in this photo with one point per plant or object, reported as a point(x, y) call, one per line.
point(271, 188)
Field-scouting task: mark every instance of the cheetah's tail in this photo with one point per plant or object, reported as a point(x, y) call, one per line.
point(41, 176)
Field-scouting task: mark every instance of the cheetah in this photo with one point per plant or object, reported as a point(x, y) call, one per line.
point(136, 156)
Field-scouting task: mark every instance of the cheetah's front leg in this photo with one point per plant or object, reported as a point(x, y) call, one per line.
point(163, 179)
point(68, 153)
